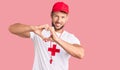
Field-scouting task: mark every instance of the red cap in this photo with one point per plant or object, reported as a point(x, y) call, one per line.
point(60, 6)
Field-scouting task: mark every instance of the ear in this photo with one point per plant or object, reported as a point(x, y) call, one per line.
point(51, 14)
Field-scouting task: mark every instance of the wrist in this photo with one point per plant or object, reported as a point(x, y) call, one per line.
point(32, 28)
point(57, 40)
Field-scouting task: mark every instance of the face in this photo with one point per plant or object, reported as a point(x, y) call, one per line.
point(59, 19)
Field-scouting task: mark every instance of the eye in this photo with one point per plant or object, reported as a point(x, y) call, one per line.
point(55, 16)
point(63, 17)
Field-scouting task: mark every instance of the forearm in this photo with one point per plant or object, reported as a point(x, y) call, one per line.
point(18, 28)
point(74, 50)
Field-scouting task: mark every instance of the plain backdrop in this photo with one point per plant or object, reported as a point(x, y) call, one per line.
point(95, 22)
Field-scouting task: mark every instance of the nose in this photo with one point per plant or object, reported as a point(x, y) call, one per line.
point(59, 19)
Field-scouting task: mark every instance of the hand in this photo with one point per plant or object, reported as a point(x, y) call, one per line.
point(53, 36)
point(38, 29)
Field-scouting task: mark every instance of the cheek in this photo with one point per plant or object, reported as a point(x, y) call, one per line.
point(64, 20)
point(54, 19)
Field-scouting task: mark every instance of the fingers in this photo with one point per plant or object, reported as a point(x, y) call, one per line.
point(38, 30)
point(52, 30)
point(46, 26)
point(48, 39)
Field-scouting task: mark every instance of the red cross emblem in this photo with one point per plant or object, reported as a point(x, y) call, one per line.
point(53, 50)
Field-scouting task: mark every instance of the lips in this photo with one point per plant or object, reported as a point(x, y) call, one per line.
point(57, 24)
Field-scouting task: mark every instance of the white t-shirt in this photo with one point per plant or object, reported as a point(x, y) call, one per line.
point(42, 55)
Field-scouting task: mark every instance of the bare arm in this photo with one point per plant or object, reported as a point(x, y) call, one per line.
point(23, 30)
point(75, 50)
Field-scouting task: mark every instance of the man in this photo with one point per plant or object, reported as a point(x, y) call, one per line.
point(52, 45)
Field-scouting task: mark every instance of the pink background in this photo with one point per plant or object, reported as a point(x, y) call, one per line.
point(95, 22)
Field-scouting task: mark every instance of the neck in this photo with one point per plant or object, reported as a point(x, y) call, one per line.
point(59, 31)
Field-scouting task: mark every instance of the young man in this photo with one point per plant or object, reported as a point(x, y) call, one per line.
point(53, 45)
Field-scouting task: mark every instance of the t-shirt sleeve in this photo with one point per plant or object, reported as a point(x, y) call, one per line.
point(32, 34)
point(74, 40)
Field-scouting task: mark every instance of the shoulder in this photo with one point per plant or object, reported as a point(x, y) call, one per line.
point(68, 34)
point(71, 38)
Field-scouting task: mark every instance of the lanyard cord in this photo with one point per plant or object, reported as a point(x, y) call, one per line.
point(51, 47)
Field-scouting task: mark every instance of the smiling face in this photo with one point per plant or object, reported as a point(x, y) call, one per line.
point(59, 19)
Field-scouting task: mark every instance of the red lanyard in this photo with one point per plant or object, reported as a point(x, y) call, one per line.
point(53, 50)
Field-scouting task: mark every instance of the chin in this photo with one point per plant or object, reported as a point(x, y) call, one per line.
point(58, 28)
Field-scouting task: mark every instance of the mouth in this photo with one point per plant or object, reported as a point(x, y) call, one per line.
point(57, 24)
